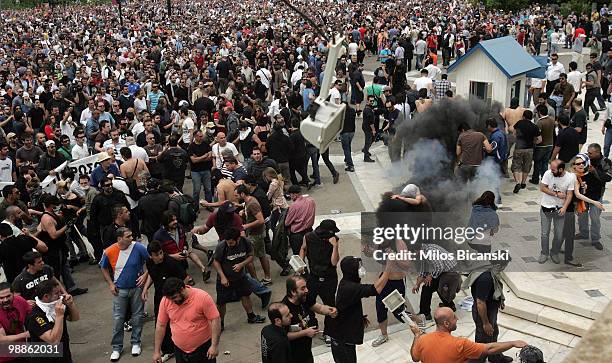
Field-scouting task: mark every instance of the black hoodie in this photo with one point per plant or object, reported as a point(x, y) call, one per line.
point(348, 326)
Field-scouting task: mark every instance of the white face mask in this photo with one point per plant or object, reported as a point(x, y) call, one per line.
point(361, 272)
point(85, 187)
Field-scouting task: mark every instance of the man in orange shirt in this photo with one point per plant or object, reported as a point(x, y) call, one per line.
point(196, 325)
point(441, 347)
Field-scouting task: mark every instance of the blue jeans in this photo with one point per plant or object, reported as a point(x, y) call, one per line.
point(346, 138)
point(313, 154)
point(541, 155)
point(199, 179)
point(124, 298)
point(607, 142)
point(593, 213)
point(545, 219)
point(257, 287)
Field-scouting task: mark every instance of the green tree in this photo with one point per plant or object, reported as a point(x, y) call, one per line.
point(577, 6)
point(512, 5)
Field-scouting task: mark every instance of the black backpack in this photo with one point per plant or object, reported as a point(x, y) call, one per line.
point(187, 209)
point(135, 193)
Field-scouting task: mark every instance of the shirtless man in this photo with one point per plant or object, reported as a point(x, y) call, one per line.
point(511, 115)
point(225, 191)
point(131, 167)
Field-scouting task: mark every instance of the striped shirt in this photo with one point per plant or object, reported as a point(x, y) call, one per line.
point(435, 266)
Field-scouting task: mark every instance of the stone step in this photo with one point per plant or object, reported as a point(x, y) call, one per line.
point(540, 331)
point(545, 316)
point(544, 289)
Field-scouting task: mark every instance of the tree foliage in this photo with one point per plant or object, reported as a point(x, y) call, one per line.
point(575, 6)
point(511, 5)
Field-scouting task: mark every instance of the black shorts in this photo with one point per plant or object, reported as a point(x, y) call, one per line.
point(236, 290)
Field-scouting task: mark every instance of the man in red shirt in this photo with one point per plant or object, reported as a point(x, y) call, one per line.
point(300, 217)
point(195, 321)
point(13, 311)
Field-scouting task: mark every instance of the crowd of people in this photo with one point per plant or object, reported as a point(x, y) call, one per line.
point(102, 124)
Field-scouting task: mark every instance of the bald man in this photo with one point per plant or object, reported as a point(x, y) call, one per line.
point(441, 346)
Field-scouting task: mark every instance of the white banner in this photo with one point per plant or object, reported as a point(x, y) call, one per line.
point(48, 185)
point(83, 166)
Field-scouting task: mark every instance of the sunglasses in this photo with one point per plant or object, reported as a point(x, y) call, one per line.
point(579, 163)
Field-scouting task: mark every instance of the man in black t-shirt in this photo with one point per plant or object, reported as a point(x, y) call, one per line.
point(200, 159)
point(579, 121)
point(161, 267)
point(275, 346)
point(35, 272)
point(13, 248)
point(230, 259)
point(527, 135)
point(304, 324)
point(568, 141)
point(47, 321)
point(36, 115)
point(174, 160)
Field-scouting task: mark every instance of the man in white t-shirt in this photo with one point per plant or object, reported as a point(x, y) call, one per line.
point(574, 77)
point(7, 169)
point(557, 187)
point(424, 81)
point(80, 149)
point(218, 148)
point(334, 93)
point(187, 126)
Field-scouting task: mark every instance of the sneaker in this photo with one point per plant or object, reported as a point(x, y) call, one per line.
point(516, 188)
point(543, 258)
point(573, 263)
point(382, 339)
point(350, 168)
point(167, 357)
point(285, 271)
point(336, 177)
point(127, 326)
point(523, 186)
point(367, 159)
point(427, 316)
point(256, 319)
point(420, 320)
point(209, 256)
point(145, 315)
point(78, 291)
point(206, 275)
point(136, 350)
point(579, 236)
point(93, 261)
point(265, 299)
point(328, 340)
point(266, 281)
point(555, 258)
point(533, 181)
point(115, 355)
point(598, 245)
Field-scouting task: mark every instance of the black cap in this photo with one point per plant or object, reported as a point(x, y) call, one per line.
point(329, 225)
point(227, 207)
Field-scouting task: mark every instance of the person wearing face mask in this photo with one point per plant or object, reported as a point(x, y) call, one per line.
point(347, 329)
point(320, 247)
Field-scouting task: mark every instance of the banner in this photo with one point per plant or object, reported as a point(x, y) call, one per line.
point(83, 166)
point(48, 185)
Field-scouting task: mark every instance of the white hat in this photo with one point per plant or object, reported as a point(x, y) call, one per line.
point(410, 191)
point(25, 94)
point(49, 142)
point(103, 156)
point(183, 103)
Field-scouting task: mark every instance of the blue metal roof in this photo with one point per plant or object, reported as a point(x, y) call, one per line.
point(506, 53)
point(539, 72)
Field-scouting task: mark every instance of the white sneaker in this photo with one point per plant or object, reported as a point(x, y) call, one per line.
point(382, 339)
point(136, 350)
point(167, 357)
point(115, 355)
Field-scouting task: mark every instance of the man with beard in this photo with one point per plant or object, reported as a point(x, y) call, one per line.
point(304, 324)
point(195, 321)
point(275, 347)
point(49, 161)
point(161, 267)
point(13, 312)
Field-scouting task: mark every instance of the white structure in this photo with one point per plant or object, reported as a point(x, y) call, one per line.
point(494, 70)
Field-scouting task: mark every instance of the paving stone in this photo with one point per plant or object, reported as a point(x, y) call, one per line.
point(506, 209)
point(594, 293)
point(506, 225)
point(529, 259)
point(531, 202)
point(529, 238)
point(531, 219)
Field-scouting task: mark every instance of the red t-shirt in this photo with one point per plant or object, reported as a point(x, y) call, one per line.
point(12, 321)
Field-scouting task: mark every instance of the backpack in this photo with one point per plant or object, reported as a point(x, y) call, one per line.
point(187, 211)
point(135, 193)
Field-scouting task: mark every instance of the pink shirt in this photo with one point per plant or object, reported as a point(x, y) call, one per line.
point(301, 214)
point(190, 321)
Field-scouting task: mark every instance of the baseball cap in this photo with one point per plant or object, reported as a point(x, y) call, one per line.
point(329, 225)
point(49, 143)
point(11, 135)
